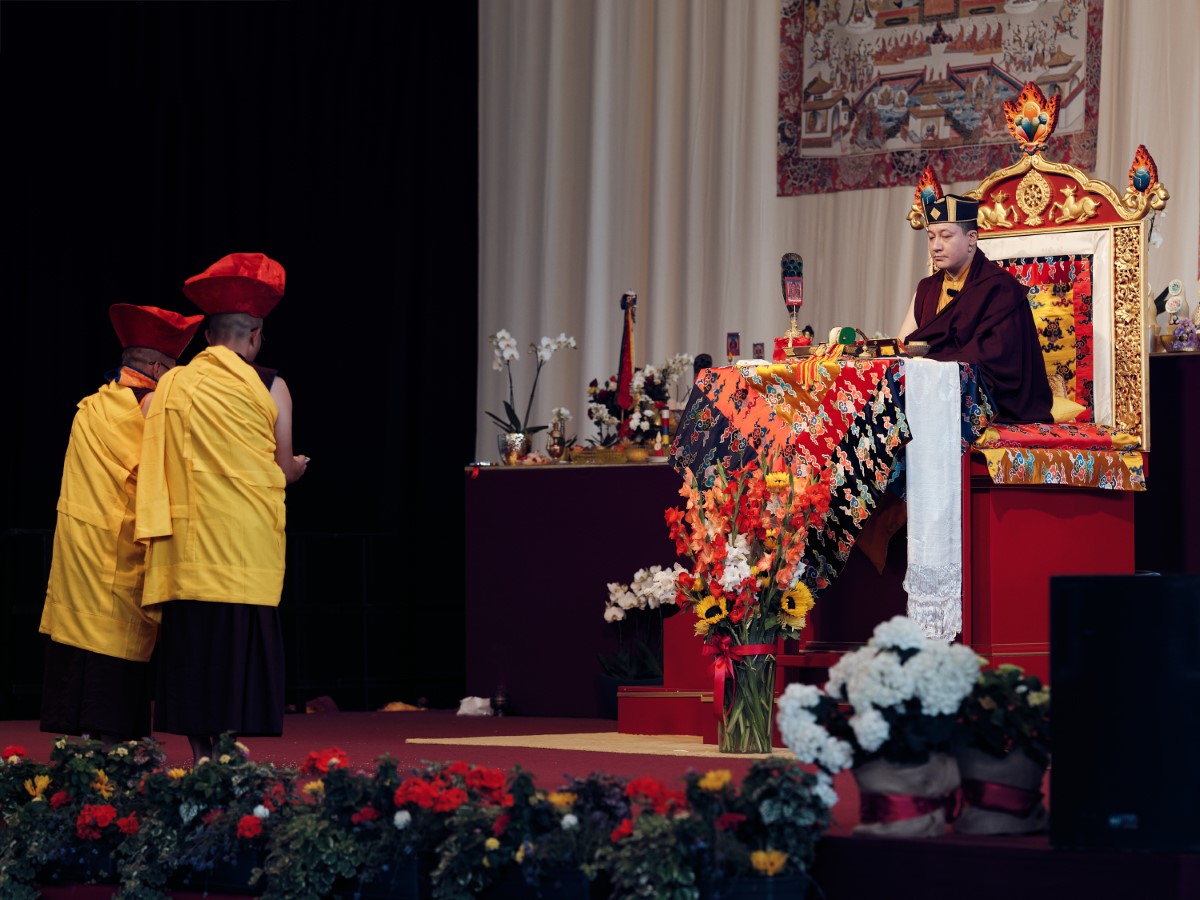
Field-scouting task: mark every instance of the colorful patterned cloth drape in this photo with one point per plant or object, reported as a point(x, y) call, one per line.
point(845, 417)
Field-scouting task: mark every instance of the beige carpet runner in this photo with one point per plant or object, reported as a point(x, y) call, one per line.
point(604, 742)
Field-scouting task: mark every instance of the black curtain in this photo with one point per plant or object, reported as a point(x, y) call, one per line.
point(143, 141)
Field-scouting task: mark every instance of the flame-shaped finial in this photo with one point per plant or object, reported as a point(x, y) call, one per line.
point(1031, 117)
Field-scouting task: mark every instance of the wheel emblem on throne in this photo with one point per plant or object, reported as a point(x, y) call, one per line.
point(1033, 196)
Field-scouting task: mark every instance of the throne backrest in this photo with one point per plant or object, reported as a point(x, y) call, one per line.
point(1080, 248)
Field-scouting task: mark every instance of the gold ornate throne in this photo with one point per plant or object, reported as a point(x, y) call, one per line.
point(1057, 498)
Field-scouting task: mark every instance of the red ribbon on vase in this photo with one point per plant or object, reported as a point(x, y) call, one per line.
point(887, 808)
point(1005, 798)
point(723, 650)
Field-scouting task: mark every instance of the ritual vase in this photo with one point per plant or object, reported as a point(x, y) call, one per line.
point(748, 705)
point(1001, 795)
point(556, 441)
point(907, 800)
point(512, 446)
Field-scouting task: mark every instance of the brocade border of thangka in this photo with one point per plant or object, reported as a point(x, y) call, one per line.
point(1114, 470)
point(798, 175)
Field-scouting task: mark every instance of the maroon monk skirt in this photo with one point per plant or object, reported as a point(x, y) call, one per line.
point(90, 693)
point(220, 668)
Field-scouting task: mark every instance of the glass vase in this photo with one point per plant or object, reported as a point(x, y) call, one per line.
point(747, 720)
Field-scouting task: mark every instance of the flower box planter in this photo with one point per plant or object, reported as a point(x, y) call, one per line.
point(792, 887)
point(568, 885)
point(407, 878)
point(86, 864)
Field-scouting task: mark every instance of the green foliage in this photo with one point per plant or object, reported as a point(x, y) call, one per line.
point(1007, 710)
point(652, 861)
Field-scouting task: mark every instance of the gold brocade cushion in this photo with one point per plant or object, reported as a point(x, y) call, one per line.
point(1054, 318)
point(1064, 410)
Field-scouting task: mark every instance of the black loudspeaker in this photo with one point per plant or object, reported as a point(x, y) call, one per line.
point(1125, 689)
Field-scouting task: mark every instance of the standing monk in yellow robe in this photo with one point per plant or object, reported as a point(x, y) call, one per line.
point(216, 458)
point(99, 638)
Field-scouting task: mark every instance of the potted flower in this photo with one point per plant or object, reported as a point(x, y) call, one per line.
point(745, 532)
point(541, 844)
point(637, 611)
point(205, 828)
point(712, 838)
point(1003, 749)
point(645, 420)
point(323, 842)
point(888, 711)
point(77, 814)
point(514, 439)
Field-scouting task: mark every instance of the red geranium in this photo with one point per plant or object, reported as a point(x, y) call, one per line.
point(366, 814)
point(320, 762)
point(249, 827)
point(13, 750)
point(92, 819)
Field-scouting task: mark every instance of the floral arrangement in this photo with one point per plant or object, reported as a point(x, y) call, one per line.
point(713, 833)
point(506, 353)
point(330, 829)
point(533, 839)
point(1185, 335)
point(638, 609)
point(641, 421)
point(1007, 711)
point(896, 698)
point(75, 812)
point(194, 821)
point(745, 532)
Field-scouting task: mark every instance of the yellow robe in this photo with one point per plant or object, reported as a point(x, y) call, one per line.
point(210, 495)
point(93, 598)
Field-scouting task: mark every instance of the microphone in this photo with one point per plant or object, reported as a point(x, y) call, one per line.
point(791, 279)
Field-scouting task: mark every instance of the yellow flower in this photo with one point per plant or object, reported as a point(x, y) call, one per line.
point(224, 758)
point(709, 611)
point(1038, 698)
point(519, 856)
point(316, 788)
point(715, 779)
point(176, 774)
point(797, 602)
point(491, 844)
point(121, 751)
point(777, 481)
point(768, 862)
point(37, 786)
point(101, 785)
point(561, 799)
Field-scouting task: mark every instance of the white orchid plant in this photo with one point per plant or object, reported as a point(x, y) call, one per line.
point(506, 353)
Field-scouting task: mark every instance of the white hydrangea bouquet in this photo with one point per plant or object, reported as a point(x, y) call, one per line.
point(893, 701)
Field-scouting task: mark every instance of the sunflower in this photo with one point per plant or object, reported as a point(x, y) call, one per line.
point(709, 611)
point(777, 482)
point(795, 605)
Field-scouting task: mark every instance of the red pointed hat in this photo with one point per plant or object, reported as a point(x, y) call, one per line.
point(238, 283)
point(148, 326)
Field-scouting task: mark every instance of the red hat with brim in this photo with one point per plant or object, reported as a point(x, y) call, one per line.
point(148, 326)
point(250, 283)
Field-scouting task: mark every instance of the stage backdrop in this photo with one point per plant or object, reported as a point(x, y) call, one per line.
point(872, 91)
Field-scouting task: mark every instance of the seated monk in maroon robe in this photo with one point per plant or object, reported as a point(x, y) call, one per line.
point(973, 311)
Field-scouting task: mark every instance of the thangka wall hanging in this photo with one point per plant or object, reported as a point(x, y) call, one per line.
point(872, 91)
